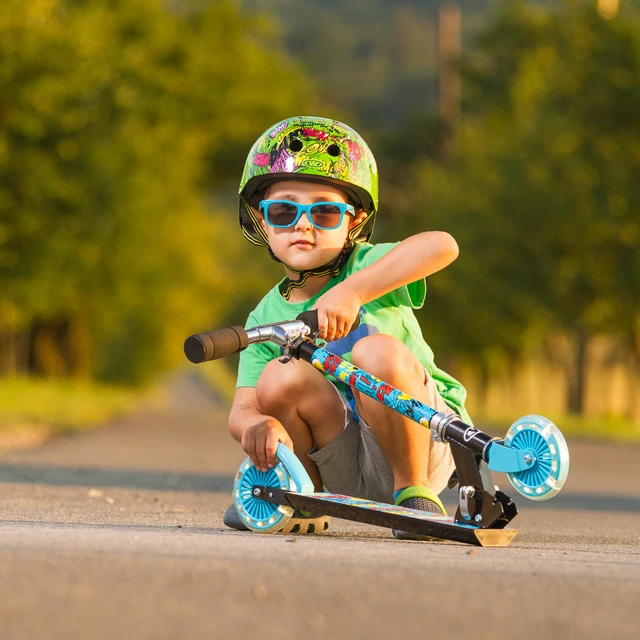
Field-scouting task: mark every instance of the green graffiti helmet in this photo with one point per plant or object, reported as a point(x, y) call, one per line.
point(310, 148)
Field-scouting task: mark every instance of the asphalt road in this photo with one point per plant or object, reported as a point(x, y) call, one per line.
point(118, 533)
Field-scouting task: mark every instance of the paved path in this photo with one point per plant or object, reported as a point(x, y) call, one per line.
point(118, 533)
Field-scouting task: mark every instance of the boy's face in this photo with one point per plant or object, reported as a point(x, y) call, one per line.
point(303, 245)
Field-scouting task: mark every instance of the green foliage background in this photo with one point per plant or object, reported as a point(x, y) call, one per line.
point(124, 126)
point(544, 190)
point(538, 180)
point(116, 120)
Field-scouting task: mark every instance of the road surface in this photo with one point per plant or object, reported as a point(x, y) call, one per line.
point(117, 533)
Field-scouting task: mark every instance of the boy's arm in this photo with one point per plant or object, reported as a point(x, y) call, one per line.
point(412, 259)
point(258, 434)
point(415, 258)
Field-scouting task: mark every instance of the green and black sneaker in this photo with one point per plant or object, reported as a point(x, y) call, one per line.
point(423, 499)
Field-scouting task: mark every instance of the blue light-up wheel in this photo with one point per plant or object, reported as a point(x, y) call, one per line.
point(257, 514)
point(288, 474)
point(545, 443)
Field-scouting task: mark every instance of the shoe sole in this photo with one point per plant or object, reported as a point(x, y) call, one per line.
point(307, 525)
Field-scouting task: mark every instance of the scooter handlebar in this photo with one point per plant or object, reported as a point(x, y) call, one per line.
point(213, 345)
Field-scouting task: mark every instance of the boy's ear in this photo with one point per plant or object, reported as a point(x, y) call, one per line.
point(260, 217)
point(358, 218)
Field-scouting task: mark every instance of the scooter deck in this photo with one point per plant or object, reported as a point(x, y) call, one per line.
point(394, 517)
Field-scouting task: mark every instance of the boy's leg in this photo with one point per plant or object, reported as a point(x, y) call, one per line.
point(306, 404)
point(412, 454)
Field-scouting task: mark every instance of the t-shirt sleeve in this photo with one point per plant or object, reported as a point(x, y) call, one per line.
point(411, 295)
point(254, 359)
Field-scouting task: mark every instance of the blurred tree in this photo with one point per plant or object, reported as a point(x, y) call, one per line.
point(545, 194)
point(375, 60)
point(116, 120)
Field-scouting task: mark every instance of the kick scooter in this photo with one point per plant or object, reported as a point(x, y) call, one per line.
point(534, 454)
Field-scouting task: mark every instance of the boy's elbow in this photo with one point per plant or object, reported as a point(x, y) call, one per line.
point(453, 248)
point(232, 423)
point(448, 247)
point(235, 429)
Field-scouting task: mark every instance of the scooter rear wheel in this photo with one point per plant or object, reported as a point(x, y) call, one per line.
point(259, 515)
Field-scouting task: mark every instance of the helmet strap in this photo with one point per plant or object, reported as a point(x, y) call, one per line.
point(330, 269)
point(261, 237)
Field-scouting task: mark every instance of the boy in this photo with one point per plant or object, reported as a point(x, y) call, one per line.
point(309, 193)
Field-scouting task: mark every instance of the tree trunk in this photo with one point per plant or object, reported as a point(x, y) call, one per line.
point(47, 357)
point(577, 373)
point(78, 347)
point(8, 340)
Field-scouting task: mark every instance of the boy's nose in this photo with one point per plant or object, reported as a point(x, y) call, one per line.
point(304, 222)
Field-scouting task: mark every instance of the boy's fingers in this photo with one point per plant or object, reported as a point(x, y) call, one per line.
point(343, 327)
point(322, 323)
point(331, 329)
point(287, 441)
point(261, 452)
point(271, 448)
point(249, 446)
point(273, 445)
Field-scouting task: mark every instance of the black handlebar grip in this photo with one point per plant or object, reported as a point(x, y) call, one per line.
point(310, 318)
point(212, 345)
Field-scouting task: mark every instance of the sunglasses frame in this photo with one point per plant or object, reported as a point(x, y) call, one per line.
point(304, 208)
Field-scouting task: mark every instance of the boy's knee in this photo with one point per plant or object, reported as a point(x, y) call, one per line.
point(385, 357)
point(278, 384)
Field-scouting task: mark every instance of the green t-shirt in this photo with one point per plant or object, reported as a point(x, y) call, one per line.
point(390, 314)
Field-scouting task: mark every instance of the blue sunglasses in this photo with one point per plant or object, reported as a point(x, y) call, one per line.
point(322, 215)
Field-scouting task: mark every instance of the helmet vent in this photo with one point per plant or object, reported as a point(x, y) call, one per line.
point(333, 150)
point(295, 145)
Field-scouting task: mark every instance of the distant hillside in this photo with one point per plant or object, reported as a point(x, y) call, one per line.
point(373, 59)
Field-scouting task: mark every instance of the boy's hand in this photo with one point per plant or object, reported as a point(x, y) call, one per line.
point(260, 442)
point(337, 311)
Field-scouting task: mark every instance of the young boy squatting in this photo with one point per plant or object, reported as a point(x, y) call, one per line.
point(309, 193)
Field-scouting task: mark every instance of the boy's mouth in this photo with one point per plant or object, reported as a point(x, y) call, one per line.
point(302, 244)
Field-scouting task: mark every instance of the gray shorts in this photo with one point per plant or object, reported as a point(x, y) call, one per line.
point(354, 464)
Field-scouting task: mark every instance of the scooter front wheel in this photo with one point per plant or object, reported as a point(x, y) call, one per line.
point(541, 439)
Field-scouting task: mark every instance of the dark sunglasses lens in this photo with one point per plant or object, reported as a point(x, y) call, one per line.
point(326, 216)
point(281, 214)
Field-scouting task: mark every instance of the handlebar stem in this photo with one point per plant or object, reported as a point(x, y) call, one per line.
point(284, 334)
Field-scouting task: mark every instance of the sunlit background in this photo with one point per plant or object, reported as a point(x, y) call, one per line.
point(513, 125)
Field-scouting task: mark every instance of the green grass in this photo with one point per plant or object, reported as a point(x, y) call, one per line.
point(605, 428)
point(60, 405)
point(589, 427)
